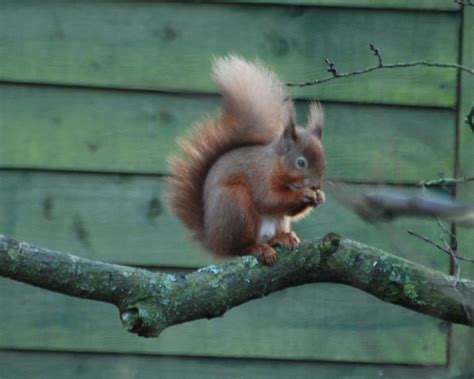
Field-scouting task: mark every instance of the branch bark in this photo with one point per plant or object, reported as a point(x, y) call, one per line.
point(149, 302)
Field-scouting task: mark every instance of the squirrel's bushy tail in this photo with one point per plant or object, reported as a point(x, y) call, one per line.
point(252, 115)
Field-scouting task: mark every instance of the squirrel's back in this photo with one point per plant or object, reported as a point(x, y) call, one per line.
point(252, 114)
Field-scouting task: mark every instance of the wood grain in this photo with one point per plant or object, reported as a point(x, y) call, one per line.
point(125, 219)
point(169, 46)
point(125, 131)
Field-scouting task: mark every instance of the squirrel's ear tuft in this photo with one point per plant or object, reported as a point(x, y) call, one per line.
point(288, 114)
point(316, 119)
point(289, 133)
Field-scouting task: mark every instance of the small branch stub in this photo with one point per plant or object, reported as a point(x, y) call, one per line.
point(332, 67)
point(131, 320)
point(143, 319)
point(376, 52)
point(329, 244)
point(442, 182)
point(470, 119)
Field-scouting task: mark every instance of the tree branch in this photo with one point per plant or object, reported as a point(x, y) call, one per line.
point(150, 302)
point(386, 205)
point(439, 247)
point(379, 66)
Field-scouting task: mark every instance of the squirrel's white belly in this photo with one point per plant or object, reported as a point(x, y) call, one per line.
point(268, 228)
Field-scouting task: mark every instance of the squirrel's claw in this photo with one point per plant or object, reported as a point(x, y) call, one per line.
point(320, 197)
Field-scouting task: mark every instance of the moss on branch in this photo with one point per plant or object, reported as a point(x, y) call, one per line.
point(150, 302)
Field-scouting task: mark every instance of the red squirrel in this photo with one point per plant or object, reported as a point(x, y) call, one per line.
point(245, 175)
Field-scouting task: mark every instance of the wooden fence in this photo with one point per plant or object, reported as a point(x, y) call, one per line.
point(93, 95)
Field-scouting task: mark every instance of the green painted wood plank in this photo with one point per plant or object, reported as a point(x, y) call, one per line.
point(126, 131)
point(125, 219)
point(462, 338)
point(170, 46)
point(441, 5)
point(36, 365)
point(305, 323)
point(428, 5)
point(122, 219)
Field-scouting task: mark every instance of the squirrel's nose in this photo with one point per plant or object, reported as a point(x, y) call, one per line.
point(315, 188)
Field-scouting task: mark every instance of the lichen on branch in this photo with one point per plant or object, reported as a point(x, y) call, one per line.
point(149, 301)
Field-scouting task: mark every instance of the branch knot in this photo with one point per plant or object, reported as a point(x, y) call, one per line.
point(332, 67)
point(139, 320)
point(376, 52)
point(329, 244)
point(470, 119)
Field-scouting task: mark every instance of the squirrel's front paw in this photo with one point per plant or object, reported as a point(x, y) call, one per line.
point(310, 197)
point(288, 240)
point(320, 197)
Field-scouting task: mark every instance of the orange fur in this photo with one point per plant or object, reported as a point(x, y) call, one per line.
point(236, 191)
point(251, 116)
point(236, 176)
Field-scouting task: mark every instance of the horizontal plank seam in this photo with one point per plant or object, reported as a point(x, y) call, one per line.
point(219, 357)
point(348, 6)
point(194, 94)
point(164, 175)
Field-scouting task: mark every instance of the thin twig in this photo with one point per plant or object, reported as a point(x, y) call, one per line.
point(379, 66)
point(456, 267)
point(426, 239)
point(449, 249)
point(449, 233)
point(438, 246)
point(457, 270)
point(444, 181)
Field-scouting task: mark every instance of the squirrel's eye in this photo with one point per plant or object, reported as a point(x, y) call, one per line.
point(301, 162)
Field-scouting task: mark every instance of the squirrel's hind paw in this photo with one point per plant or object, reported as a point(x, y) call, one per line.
point(264, 253)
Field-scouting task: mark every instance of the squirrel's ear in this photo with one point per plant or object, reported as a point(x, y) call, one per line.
point(316, 119)
point(289, 119)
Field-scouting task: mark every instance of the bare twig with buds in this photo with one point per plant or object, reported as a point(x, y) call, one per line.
point(380, 65)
